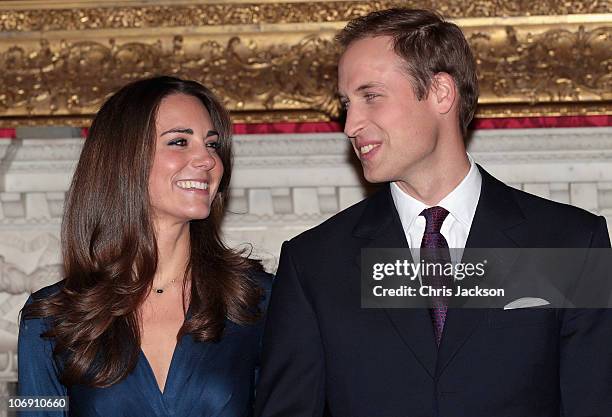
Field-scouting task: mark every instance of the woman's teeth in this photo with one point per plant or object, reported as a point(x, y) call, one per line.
point(200, 185)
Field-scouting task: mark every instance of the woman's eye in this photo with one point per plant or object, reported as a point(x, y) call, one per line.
point(214, 145)
point(178, 142)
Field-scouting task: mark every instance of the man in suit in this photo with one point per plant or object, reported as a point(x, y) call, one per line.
point(408, 82)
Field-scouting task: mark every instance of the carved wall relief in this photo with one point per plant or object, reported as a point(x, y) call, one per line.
point(276, 61)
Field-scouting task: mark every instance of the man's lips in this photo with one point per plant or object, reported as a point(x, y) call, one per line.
point(365, 147)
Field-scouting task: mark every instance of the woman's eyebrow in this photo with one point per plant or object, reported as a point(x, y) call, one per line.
point(211, 133)
point(178, 130)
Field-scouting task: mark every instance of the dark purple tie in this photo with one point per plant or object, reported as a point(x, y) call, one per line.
point(437, 252)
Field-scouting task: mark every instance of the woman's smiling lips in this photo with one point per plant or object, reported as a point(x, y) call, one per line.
point(193, 185)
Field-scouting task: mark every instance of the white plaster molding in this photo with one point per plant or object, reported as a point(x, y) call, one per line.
point(5, 143)
point(281, 186)
point(39, 165)
point(285, 145)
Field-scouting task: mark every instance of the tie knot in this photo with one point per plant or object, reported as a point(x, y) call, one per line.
point(434, 217)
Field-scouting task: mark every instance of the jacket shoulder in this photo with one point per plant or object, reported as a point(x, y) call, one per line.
point(552, 210)
point(562, 224)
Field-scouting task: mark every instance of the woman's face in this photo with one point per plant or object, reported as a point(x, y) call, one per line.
point(186, 169)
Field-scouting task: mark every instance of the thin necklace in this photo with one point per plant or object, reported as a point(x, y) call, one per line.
point(161, 289)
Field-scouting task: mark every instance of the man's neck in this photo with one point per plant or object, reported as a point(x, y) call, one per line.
point(431, 185)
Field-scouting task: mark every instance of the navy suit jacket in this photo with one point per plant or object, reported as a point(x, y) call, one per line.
point(324, 355)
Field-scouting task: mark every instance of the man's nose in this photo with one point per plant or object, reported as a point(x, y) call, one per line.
point(354, 122)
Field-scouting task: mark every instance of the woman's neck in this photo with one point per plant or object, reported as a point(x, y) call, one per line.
point(173, 247)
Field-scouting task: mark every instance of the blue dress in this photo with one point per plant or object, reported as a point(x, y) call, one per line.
point(204, 379)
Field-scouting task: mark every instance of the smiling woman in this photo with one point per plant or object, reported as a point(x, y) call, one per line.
point(155, 315)
point(186, 169)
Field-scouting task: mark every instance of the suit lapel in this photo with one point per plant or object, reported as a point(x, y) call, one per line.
point(381, 227)
point(498, 218)
point(498, 223)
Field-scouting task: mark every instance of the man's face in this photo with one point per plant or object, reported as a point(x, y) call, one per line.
point(393, 134)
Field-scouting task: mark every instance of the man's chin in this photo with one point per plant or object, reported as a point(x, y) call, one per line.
point(374, 177)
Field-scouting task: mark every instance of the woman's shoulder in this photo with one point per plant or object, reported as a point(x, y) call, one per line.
point(262, 278)
point(43, 293)
point(29, 320)
point(31, 325)
point(46, 292)
point(263, 281)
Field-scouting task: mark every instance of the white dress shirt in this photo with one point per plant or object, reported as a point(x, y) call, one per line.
point(460, 203)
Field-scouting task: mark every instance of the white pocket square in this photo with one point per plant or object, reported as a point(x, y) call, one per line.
point(526, 302)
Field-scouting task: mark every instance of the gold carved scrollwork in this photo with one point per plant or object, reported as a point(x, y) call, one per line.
point(279, 76)
point(557, 65)
point(274, 61)
point(75, 77)
point(226, 13)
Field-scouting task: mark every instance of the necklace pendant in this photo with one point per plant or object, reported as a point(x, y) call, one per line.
point(159, 290)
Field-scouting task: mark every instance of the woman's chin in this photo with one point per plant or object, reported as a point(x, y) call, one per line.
point(200, 215)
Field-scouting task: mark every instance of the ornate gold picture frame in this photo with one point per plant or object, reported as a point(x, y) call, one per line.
point(276, 60)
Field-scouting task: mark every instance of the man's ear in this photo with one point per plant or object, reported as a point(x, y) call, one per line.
point(444, 92)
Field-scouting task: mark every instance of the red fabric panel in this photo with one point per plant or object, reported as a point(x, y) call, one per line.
point(493, 123)
point(541, 122)
point(477, 124)
point(7, 133)
point(262, 128)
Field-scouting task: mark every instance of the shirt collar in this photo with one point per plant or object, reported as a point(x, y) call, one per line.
point(461, 202)
point(407, 206)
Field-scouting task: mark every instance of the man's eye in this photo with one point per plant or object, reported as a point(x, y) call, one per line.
point(178, 142)
point(214, 145)
point(370, 96)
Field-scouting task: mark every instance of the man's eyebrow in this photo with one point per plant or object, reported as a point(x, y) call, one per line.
point(186, 131)
point(362, 88)
point(211, 133)
point(369, 85)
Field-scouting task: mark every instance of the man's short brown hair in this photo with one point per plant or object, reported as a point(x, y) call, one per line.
point(428, 45)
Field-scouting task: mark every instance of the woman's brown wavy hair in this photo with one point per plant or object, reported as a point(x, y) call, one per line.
point(109, 246)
